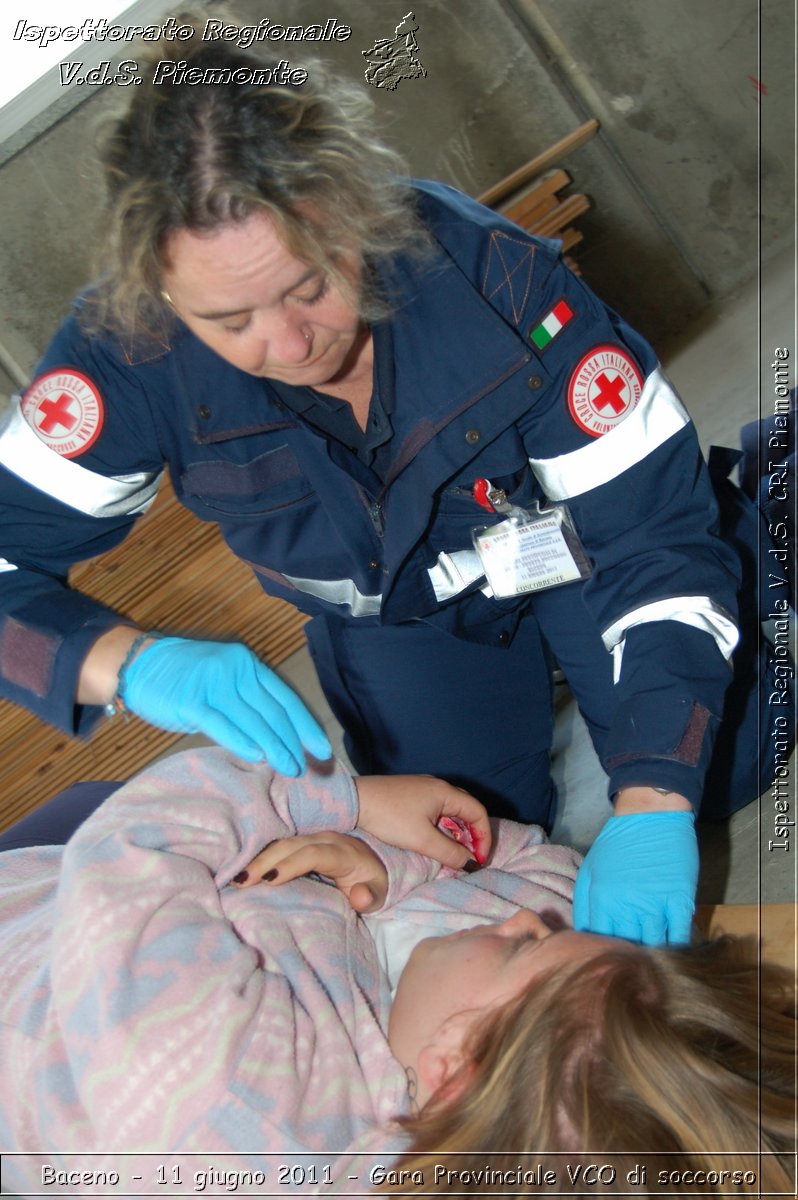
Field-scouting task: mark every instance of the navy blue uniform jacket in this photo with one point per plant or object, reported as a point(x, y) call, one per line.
point(589, 420)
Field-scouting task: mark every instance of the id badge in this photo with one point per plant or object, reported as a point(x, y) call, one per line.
point(529, 551)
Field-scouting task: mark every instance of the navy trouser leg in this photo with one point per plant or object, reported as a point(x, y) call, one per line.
point(53, 823)
point(414, 699)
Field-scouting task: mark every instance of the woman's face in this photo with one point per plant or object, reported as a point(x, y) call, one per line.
point(450, 982)
point(242, 292)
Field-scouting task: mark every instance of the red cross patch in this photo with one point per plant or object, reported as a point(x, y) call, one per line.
point(604, 389)
point(65, 410)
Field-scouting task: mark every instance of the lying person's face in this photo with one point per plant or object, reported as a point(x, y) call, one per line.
point(452, 982)
point(243, 293)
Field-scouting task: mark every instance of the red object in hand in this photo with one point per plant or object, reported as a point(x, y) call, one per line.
point(462, 832)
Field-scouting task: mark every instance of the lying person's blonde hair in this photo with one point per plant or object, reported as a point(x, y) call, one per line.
point(662, 1055)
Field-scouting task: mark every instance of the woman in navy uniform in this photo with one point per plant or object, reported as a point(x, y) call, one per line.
point(352, 375)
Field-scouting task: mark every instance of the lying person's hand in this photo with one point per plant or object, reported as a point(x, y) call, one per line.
point(404, 811)
point(347, 862)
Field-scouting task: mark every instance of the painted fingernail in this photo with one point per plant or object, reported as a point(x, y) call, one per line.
point(241, 877)
point(471, 866)
point(270, 875)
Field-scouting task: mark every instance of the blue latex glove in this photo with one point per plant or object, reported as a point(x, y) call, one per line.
point(639, 878)
point(222, 690)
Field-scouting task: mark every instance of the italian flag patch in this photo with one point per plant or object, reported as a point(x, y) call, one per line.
point(551, 325)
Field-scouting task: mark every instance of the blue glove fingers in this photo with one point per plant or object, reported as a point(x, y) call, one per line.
point(310, 733)
point(223, 691)
point(233, 736)
point(267, 712)
point(604, 924)
point(591, 913)
point(639, 878)
point(653, 928)
point(629, 924)
point(680, 922)
point(614, 920)
point(260, 716)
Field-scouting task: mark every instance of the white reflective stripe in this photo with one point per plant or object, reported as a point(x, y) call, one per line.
point(455, 572)
point(5, 565)
point(26, 455)
point(699, 611)
point(339, 591)
point(450, 576)
point(658, 416)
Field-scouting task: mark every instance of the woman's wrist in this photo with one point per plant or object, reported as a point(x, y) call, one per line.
point(643, 799)
point(99, 676)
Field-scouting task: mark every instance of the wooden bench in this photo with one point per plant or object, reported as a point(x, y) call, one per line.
point(530, 195)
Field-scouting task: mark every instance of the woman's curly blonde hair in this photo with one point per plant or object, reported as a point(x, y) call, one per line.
point(681, 1060)
point(199, 156)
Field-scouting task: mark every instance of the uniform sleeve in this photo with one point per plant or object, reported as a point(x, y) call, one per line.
point(79, 462)
point(613, 442)
point(608, 437)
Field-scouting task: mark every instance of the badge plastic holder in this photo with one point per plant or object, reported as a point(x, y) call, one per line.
point(529, 551)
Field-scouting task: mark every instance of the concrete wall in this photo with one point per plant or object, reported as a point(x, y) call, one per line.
point(673, 175)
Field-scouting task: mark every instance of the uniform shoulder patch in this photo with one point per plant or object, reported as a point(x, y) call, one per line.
point(65, 410)
point(604, 388)
point(508, 271)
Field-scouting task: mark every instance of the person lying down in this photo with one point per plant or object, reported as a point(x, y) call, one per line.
point(190, 974)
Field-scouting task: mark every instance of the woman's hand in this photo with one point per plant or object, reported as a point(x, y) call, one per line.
point(223, 690)
point(639, 878)
point(350, 864)
point(404, 811)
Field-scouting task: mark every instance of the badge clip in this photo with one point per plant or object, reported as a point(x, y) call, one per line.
point(527, 551)
point(495, 500)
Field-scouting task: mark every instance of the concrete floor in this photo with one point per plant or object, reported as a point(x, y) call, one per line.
point(716, 367)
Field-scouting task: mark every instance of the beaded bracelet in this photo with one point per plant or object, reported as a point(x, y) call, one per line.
point(116, 705)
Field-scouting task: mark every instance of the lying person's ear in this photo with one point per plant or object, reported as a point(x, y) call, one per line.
point(443, 1067)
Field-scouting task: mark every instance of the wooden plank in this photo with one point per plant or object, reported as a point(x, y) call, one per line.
point(539, 197)
point(570, 237)
point(547, 158)
point(553, 222)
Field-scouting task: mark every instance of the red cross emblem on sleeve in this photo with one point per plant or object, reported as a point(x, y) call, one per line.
point(604, 388)
point(64, 408)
